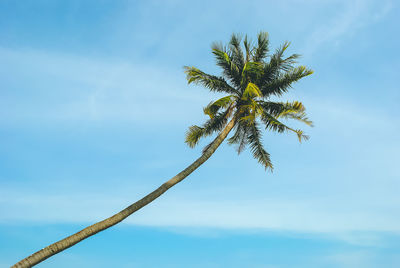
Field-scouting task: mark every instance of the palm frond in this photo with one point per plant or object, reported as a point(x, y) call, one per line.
point(295, 110)
point(251, 92)
point(262, 47)
point(254, 140)
point(248, 119)
point(283, 82)
point(272, 123)
point(278, 64)
point(273, 68)
point(271, 107)
point(278, 55)
point(288, 63)
point(230, 70)
point(193, 135)
point(213, 107)
point(239, 137)
point(248, 48)
point(252, 71)
point(216, 123)
point(213, 83)
point(281, 63)
point(302, 117)
point(242, 142)
point(289, 110)
point(236, 51)
point(212, 125)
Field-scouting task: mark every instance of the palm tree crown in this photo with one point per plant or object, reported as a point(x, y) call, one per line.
point(251, 77)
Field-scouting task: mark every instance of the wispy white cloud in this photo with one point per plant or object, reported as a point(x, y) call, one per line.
point(351, 16)
point(272, 214)
point(62, 87)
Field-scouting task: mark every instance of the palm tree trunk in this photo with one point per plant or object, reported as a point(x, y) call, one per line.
point(69, 241)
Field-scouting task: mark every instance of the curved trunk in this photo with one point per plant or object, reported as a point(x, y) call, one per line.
point(69, 241)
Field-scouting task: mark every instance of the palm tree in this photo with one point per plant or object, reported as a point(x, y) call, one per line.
point(250, 77)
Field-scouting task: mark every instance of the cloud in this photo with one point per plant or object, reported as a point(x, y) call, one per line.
point(270, 214)
point(352, 16)
point(56, 87)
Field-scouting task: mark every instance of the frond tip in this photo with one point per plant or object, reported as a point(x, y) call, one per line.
point(259, 153)
point(262, 47)
point(193, 135)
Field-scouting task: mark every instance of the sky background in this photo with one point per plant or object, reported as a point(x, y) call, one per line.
point(94, 107)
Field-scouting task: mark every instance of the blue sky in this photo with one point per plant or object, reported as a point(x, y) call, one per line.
point(91, 102)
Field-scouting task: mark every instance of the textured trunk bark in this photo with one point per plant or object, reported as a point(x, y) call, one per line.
point(69, 241)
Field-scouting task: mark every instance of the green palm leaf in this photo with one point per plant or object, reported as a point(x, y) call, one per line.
point(272, 123)
point(213, 107)
point(283, 82)
point(240, 136)
point(251, 91)
point(193, 135)
point(288, 110)
point(214, 124)
point(248, 48)
point(213, 83)
point(262, 47)
point(230, 70)
point(259, 153)
point(236, 51)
